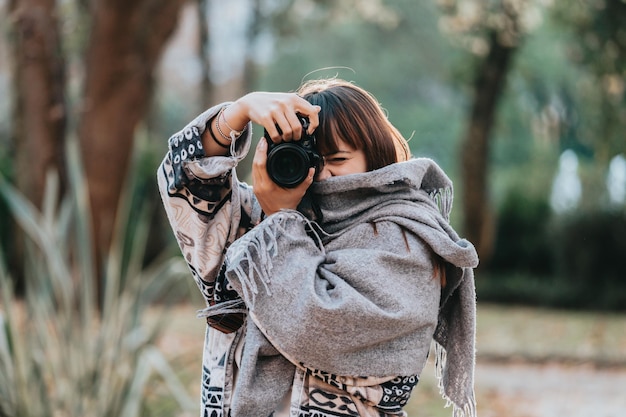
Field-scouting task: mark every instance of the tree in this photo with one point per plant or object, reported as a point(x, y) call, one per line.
point(125, 44)
point(39, 109)
point(492, 32)
point(39, 95)
point(599, 47)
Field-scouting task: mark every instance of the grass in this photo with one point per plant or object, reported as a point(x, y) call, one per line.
point(61, 353)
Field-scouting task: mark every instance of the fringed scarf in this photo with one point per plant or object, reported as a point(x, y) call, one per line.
point(417, 196)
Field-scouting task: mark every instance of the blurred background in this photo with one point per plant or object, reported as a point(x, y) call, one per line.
point(522, 102)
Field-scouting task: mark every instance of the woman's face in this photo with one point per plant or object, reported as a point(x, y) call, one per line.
point(346, 160)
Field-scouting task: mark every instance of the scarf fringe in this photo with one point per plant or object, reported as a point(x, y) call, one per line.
point(254, 265)
point(443, 197)
point(226, 307)
point(468, 409)
point(256, 250)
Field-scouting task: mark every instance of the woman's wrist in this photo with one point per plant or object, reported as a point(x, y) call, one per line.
point(233, 119)
point(227, 125)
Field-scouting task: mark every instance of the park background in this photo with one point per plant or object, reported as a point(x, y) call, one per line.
point(522, 102)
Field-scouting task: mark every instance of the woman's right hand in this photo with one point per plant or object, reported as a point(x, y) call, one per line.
point(271, 110)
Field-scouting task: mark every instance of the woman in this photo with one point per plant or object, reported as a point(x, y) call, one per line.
point(323, 299)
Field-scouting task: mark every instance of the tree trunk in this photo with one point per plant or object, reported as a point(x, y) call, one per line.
point(250, 70)
point(206, 85)
point(478, 223)
point(40, 113)
point(127, 38)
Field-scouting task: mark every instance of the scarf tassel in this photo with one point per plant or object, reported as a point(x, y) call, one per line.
point(443, 197)
point(253, 262)
point(468, 409)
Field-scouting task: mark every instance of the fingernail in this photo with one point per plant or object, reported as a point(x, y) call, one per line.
point(262, 144)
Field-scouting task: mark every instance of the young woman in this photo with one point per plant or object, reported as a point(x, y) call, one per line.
point(322, 298)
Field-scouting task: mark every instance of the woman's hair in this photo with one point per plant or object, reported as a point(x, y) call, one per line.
point(353, 115)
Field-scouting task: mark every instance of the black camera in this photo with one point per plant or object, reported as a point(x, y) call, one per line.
point(288, 163)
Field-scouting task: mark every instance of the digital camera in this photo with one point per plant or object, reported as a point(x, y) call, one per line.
point(288, 163)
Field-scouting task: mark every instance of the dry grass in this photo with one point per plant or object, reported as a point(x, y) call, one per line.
point(542, 335)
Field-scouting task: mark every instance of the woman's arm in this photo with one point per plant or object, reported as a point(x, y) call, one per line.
point(205, 204)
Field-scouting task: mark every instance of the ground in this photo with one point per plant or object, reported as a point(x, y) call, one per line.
point(550, 390)
point(535, 390)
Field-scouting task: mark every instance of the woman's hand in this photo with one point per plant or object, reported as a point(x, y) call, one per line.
point(266, 109)
point(271, 196)
point(274, 109)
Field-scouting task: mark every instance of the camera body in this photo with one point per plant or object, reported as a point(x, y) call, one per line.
point(288, 163)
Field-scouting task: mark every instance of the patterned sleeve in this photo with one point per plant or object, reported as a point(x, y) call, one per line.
point(206, 206)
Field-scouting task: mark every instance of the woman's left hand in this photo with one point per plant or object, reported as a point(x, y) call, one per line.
point(271, 196)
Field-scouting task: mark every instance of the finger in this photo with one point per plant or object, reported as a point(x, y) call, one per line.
point(301, 188)
point(309, 179)
point(296, 125)
point(259, 162)
point(314, 119)
point(311, 111)
point(272, 130)
point(283, 123)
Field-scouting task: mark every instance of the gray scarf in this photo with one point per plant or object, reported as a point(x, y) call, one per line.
point(417, 196)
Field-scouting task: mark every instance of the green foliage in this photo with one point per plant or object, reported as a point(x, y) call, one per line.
point(574, 261)
point(61, 351)
point(590, 255)
point(522, 243)
point(599, 48)
point(517, 288)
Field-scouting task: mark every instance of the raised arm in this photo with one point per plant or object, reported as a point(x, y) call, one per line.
point(206, 205)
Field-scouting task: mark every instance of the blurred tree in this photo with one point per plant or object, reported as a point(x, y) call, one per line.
point(124, 46)
point(121, 53)
point(39, 95)
point(598, 28)
point(492, 32)
point(39, 109)
point(206, 85)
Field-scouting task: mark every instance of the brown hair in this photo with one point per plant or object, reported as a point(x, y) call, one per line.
point(351, 114)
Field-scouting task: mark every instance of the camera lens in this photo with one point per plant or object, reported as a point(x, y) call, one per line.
point(288, 165)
